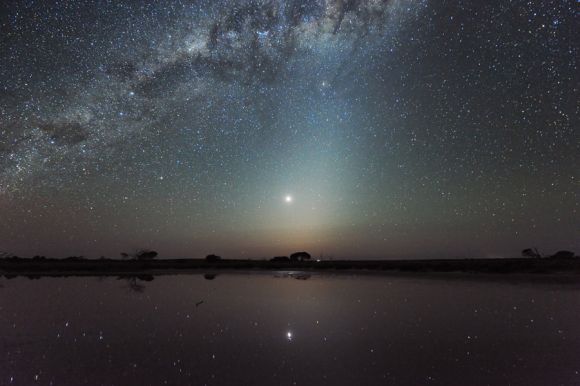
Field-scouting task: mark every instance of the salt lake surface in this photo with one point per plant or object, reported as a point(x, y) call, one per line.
point(280, 328)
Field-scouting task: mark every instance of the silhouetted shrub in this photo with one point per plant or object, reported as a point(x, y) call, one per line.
point(280, 258)
point(563, 255)
point(209, 276)
point(212, 258)
point(146, 255)
point(300, 256)
point(143, 254)
point(531, 252)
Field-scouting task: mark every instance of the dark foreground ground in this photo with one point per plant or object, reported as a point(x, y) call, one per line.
point(57, 267)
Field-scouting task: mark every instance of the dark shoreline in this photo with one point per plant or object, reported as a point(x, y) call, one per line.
point(104, 267)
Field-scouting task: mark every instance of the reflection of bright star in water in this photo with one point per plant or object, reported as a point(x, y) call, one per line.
point(288, 199)
point(289, 335)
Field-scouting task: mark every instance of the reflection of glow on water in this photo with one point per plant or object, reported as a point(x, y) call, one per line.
point(289, 335)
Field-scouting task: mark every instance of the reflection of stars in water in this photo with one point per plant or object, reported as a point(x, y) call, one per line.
point(289, 335)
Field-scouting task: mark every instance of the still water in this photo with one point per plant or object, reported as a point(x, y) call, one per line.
point(290, 329)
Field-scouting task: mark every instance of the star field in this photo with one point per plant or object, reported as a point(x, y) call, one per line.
point(398, 128)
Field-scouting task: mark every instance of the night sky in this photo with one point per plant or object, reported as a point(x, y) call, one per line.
point(351, 129)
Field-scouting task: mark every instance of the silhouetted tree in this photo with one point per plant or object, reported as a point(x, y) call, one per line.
point(300, 256)
point(563, 255)
point(146, 255)
point(280, 258)
point(531, 252)
point(212, 258)
point(143, 254)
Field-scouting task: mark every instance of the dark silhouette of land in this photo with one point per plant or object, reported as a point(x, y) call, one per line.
point(300, 256)
point(558, 263)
